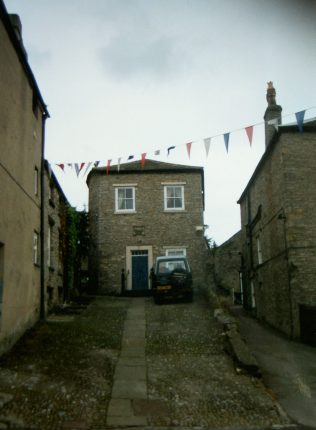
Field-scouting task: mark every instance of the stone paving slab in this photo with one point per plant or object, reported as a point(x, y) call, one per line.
point(133, 352)
point(120, 407)
point(132, 361)
point(128, 373)
point(126, 421)
point(125, 389)
point(133, 342)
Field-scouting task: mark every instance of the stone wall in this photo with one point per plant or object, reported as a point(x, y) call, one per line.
point(279, 231)
point(21, 125)
point(150, 227)
point(55, 236)
point(227, 266)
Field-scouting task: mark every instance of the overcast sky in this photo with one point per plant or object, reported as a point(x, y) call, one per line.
point(123, 77)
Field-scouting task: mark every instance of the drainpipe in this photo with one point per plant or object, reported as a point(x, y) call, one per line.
point(250, 230)
point(42, 236)
point(283, 218)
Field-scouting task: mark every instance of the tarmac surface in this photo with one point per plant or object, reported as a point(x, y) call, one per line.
point(288, 368)
point(128, 363)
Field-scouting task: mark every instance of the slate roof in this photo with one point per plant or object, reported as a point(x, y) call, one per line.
point(149, 167)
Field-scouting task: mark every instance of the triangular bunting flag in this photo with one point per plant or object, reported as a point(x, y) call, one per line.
point(87, 168)
point(119, 164)
point(189, 144)
point(157, 152)
point(169, 149)
point(143, 160)
point(130, 157)
point(61, 166)
point(77, 168)
point(226, 140)
point(249, 131)
point(207, 144)
point(96, 163)
point(300, 119)
point(108, 167)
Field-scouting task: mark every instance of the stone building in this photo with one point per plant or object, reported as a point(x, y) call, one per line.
point(22, 129)
point(279, 233)
point(226, 268)
point(55, 228)
point(139, 213)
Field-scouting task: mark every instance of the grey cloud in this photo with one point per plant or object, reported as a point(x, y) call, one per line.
point(133, 57)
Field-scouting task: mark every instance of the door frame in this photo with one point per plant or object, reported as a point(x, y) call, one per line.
point(129, 250)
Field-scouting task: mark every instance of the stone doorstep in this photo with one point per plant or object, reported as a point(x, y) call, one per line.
point(128, 373)
point(126, 389)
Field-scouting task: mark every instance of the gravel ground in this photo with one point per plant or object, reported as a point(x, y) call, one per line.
point(59, 375)
point(192, 377)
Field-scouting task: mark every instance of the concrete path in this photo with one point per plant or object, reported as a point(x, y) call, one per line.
point(130, 377)
point(288, 367)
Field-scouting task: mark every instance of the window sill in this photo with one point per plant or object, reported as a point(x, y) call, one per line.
point(124, 212)
point(174, 211)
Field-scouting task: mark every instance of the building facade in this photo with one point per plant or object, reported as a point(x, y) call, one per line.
point(22, 122)
point(278, 221)
point(139, 213)
point(226, 268)
point(55, 231)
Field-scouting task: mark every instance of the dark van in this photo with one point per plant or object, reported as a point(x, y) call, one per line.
point(172, 278)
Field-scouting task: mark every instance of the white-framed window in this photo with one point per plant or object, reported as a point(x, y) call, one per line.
point(35, 247)
point(125, 199)
point(259, 251)
point(174, 197)
point(176, 252)
point(35, 180)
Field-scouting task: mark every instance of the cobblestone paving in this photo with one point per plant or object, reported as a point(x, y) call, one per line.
point(193, 378)
point(59, 375)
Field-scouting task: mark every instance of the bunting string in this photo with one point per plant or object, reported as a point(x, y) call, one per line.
point(84, 167)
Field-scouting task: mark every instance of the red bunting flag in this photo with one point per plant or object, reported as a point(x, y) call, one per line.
point(143, 159)
point(249, 131)
point(189, 144)
point(62, 166)
point(108, 167)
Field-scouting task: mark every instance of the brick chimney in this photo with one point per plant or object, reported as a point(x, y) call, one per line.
point(272, 116)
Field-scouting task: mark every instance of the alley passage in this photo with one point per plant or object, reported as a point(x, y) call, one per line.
point(128, 362)
point(172, 371)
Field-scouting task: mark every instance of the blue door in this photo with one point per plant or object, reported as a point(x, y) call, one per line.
point(139, 270)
